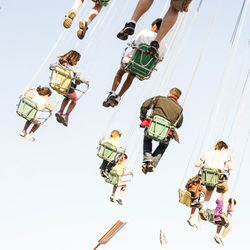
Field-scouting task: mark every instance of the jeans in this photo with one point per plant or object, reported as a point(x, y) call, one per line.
point(106, 165)
point(157, 154)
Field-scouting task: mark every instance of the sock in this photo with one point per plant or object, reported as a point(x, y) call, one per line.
point(61, 111)
point(132, 21)
point(205, 205)
point(67, 114)
point(88, 21)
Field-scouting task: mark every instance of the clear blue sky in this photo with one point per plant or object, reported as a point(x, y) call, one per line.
point(52, 196)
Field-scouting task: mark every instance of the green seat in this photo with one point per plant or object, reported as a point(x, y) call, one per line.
point(113, 178)
point(158, 128)
point(108, 152)
point(210, 177)
point(185, 197)
point(142, 65)
point(210, 216)
point(27, 108)
point(101, 2)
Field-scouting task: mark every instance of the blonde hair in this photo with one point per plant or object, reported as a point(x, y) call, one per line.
point(115, 133)
point(72, 58)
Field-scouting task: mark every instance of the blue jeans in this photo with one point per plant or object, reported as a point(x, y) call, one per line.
point(154, 157)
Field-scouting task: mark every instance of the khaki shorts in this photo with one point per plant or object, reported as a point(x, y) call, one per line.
point(181, 5)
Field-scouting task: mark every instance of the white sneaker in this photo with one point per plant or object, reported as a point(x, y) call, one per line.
point(112, 95)
point(190, 222)
point(23, 134)
point(29, 137)
point(112, 198)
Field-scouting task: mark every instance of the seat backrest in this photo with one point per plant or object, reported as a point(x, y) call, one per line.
point(210, 215)
point(108, 152)
point(158, 128)
point(101, 2)
point(27, 108)
point(185, 197)
point(210, 176)
point(113, 178)
point(142, 64)
point(61, 79)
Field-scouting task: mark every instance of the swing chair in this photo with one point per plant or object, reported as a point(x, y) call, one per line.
point(159, 128)
point(61, 79)
point(101, 2)
point(141, 64)
point(118, 180)
point(27, 108)
point(108, 152)
point(186, 198)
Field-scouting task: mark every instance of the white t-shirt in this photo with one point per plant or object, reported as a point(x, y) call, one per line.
point(146, 36)
point(217, 159)
point(41, 104)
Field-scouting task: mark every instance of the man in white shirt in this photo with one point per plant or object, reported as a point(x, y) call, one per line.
point(144, 37)
point(168, 21)
point(220, 159)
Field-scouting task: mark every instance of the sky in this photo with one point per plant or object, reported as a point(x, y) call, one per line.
point(52, 195)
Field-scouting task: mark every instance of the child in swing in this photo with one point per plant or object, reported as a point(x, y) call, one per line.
point(120, 169)
point(42, 100)
point(83, 24)
point(70, 60)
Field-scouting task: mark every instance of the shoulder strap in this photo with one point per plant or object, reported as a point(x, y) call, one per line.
point(179, 117)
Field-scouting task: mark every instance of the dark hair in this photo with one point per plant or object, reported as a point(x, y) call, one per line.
point(175, 92)
point(221, 144)
point(230, 201)
point(157, 22)
point(125, 156)
point(72, 58)
point(44, 91)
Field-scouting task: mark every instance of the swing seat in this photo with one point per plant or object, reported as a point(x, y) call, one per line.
point(158, 128)
point(118, 180)
point(108, 152)
point(210, 216)
point(61, 79)
point(141, 64)
point(101, 2)
point(210, 177)
point(185, 197)
point(27, 108)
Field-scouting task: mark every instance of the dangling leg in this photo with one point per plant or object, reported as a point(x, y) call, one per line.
point(83, 25)
point(117, 80)
point(72, 13)
point(60, 112)
point(29, 136)
point(223, 215)
point(217, 235)
point(26, 126)
point(147, 155)
point(203, 211)
point(159, 151)
point(65, 117)
point(141, 8)
point(190, 221)
point(112, 197)
point(126, 84)
point(119, 200)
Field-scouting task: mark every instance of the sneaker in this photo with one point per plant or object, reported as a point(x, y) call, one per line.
point(144, 168)
point(23, 134)
point(107, 102)
point(203, 214)
point(65, 119)
point(83, 27)
point(29, 137)
point(153, 48)
point(217, 239)
point(69, 18)
point(190, 222)
point(119, 201)
point(112, 198)
point(128, 29)
point(58, 116)
point(114, 101)
point(224, 219)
